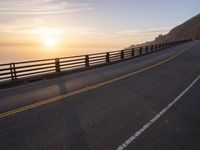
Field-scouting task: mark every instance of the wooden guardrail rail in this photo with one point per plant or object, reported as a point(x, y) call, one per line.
point(19, 70)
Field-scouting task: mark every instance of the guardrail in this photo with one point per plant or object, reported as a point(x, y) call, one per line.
point(19, 70)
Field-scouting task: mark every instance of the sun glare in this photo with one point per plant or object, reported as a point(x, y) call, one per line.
point(50, 37)
point(50, 41)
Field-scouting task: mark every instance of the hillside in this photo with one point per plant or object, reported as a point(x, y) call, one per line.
point(188, 30)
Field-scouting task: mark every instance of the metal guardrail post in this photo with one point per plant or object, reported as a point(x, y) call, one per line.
point(156, 47)
point(133, 52)
point(147, 49)
point(151, 48)
point(57, 65)
point(13, 71)
point(140, 51)
point(160, 46)
point(87, 61)
point(107, 57)
point(163, 45)
point(122, 54)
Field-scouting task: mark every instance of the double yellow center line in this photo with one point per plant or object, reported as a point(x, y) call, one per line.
point(60, 97)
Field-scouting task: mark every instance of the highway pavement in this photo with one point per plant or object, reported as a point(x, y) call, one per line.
point(102, 109)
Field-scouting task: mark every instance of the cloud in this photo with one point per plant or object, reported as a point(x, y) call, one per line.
point(20, 26)
point(38, 7)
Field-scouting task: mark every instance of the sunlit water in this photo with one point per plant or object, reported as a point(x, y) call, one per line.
point(10, 54)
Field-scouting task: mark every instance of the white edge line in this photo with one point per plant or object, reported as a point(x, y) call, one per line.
point(148, 124)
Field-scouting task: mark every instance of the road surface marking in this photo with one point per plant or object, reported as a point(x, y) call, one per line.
point(60, 97)
point(155, 118)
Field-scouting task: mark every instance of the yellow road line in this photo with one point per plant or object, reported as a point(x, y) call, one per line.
point(47, 101)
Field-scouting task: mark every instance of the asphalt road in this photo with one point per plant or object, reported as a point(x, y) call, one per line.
point(115, 102)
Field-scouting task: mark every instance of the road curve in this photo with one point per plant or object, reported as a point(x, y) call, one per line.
point(105, 116)
point(39, 91)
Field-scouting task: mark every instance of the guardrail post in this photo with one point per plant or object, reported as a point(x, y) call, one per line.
point(156, 47)
point(13, 71)
point(163, 45)
point(140, 51)
point(151, 48)
point(122, 54)
point(160, 46)
point(147, 49)
point(57, 64)
point(107, 57)
point(133, 52)
point(87, 61)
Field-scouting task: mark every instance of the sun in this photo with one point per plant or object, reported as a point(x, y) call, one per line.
point(50, 41)
point(49, 37)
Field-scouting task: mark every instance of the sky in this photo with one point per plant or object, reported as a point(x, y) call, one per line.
point(48, 28)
